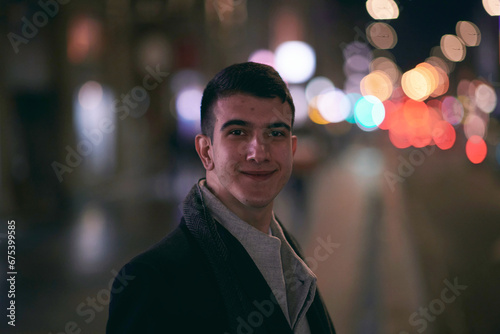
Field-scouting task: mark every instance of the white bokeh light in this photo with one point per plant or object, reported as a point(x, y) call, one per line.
point(317, 86)
point(334, 105)
point(188, 103)
point(301, 106)
point(262, 56)
point(295, 61)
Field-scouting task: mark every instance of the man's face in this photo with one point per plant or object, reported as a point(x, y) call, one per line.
point(252, 150)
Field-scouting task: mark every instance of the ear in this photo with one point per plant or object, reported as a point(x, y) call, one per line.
point(203, 146)
point(294, 144)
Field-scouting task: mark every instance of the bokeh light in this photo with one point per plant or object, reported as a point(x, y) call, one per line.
point(486, 98)
point(444, 135)
point(469, 33)
point(419, 123)
point(387, 66)
point(378, 84)
point(90, 95)
point(474, 126)
point(463, 87)
point(369, 112)
point(453, 48)
point(262, 56)
point(353, 98)
point(381, 35)
point(390, 110)
point(89, 240)
point(382, 9)
point(314, 113)
point(431, 74)
point(452, 110)
point(399, 131)
point(188, 103)
point(295, 61)
point(357, 64)
point(334, 106)
point(84, 39)
point(476, 149)
point(418, 83)
point(301, 105)
point(317, 86)
point(492, 7)
point(439, 62)
point(93, 106)
point(443, 83)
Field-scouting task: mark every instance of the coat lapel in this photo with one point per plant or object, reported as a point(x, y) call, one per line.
point(256, 290)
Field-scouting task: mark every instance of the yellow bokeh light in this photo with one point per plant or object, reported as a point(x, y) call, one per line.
point(314, 113)
point(381, 35)
point(492, 7)
point(469, 33)
point(382, 9)
point(377, 84)
point(443, 83)
point(432, 75)
point(416, 84)
point(453, 48)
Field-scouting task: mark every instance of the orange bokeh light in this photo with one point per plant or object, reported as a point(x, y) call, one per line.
point(377, 84)
point(314, 113)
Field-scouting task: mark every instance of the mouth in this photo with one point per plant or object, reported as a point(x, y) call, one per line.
point(258, 175)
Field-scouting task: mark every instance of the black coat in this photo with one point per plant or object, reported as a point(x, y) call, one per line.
point(200, 279)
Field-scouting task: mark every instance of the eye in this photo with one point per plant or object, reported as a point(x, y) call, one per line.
point(276, 133)
point(236, 132)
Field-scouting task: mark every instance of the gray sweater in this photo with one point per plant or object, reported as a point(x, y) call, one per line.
point(290, 279)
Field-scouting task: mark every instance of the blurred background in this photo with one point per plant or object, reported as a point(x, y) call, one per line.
point(395, 196)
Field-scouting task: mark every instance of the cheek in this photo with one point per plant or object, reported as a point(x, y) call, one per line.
point(226, 160)
point(283, 155)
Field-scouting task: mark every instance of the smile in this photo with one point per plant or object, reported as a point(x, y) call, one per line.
point(258, 175)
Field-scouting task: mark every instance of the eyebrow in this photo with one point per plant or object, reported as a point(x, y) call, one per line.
point(245, 123)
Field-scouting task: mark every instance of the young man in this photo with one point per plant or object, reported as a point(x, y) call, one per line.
point(230, 267)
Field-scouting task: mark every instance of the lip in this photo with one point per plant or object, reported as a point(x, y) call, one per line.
point(258, 175)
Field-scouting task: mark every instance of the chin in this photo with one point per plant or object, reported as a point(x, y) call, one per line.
point(256, 201)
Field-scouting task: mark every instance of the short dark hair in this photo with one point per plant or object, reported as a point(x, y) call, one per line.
point(250, 78)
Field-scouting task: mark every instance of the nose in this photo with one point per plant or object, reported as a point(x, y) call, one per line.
point(258, 149)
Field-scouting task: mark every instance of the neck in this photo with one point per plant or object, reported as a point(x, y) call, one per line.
point(258, 217)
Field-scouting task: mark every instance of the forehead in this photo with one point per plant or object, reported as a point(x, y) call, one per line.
point(256, 109)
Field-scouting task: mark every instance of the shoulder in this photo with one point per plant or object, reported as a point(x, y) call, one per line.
point(173, 250)
point(172, 281)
